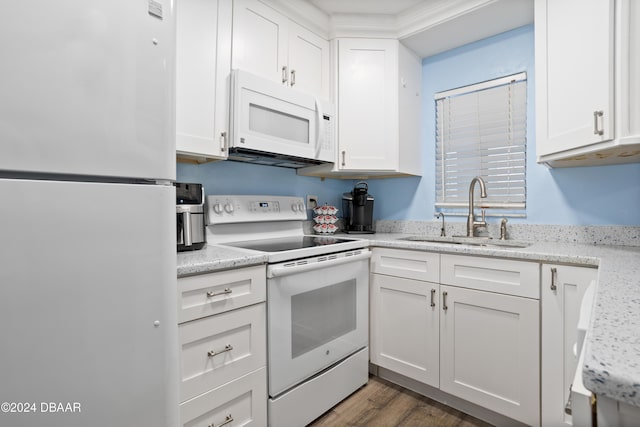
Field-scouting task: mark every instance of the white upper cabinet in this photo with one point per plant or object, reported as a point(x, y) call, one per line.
point(379, 84)
point(587, 95)
point(378, 101)
point(270, 45)
point(202, 78)
point(368, 104)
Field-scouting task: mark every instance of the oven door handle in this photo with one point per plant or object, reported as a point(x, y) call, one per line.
point(281, 270)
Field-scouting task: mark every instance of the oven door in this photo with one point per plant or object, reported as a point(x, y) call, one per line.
point(317, 315)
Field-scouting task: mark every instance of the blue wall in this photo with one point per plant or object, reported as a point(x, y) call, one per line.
point(244, 178)
point(601, 195)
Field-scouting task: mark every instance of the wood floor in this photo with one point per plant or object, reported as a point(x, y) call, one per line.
point(383, 404)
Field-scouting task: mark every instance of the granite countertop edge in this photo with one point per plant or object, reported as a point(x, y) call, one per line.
point(612, 349)
point(214, 258)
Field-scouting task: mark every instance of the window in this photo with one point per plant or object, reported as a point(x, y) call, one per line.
point(481, 131)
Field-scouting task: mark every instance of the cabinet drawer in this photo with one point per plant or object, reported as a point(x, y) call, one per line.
point(519, 278)
point(217, 349)
point(416, 265)
point(243, 400)
point(207, 294)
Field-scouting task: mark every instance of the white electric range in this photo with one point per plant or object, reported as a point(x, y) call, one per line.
point(317, 302)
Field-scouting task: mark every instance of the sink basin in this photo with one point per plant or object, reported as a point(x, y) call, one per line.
point(471, 241)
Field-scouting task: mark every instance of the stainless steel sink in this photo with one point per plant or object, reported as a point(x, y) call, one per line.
point(471, 241)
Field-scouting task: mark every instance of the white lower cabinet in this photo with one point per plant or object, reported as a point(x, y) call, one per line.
point(613, 413)
point(489, 351)
point(223, 355)
point(405, 327)
point(479, 345)
point(562, 290)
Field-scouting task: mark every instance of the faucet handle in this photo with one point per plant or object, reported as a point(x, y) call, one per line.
point(483, 212)
point(503, 229)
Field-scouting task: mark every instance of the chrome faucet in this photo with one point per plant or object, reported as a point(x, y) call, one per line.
point(472, 224)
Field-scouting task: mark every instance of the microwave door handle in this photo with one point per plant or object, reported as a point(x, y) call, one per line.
point(319, 115)
point(280, 271)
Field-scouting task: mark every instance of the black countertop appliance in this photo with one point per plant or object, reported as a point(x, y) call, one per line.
point(357, 207)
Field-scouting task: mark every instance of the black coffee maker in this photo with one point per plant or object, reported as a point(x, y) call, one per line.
point(357, 207)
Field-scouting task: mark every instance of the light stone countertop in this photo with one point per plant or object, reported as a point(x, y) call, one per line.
point(612, 352)
point(215, 258)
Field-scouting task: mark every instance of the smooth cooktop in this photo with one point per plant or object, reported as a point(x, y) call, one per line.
point(288, 243)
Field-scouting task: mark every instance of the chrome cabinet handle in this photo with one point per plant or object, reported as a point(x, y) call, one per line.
point(554, 278)
point(284, 74)
point(344, 154)
point(223, 141)
point(444, 301)
point(293, 77)
point(213, 353)
point(211, 294)
point(433, 294)
point(228, 419)
point(596, 129)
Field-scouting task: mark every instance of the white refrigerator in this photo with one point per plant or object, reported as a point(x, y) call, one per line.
point(88, 324)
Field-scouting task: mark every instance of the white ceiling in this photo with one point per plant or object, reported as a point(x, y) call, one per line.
point(384, 7)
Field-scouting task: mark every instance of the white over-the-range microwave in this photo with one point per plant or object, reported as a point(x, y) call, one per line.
point(277, 125)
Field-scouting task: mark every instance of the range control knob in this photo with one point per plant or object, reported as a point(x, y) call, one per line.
point(217, 208)
point(294, 207)
point(301, 207)
point(228, 207)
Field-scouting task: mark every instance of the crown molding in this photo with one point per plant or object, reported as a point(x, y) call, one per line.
point(427, 28)
point(303, 13)
point(360, 25)
point(432, 13)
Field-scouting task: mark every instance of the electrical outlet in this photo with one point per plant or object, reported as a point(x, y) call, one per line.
point(312, 201)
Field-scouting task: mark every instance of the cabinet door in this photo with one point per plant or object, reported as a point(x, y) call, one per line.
point(628, 70)
point(260, 40)
point(489, 351)
point(404, 327)
point(574, 72)
point(203, 52)
point(308, 61)
point(368, 104)
point(562, 290)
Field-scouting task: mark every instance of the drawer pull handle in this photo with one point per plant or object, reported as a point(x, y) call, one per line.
point(285, 77)
point(215, 294)
point(444, 301)
point(213, 353)
point(433, 294)
point(228, 419)
point(554, 278)
point(293, 78)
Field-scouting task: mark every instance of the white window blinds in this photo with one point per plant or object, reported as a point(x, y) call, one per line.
point(481, 131)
